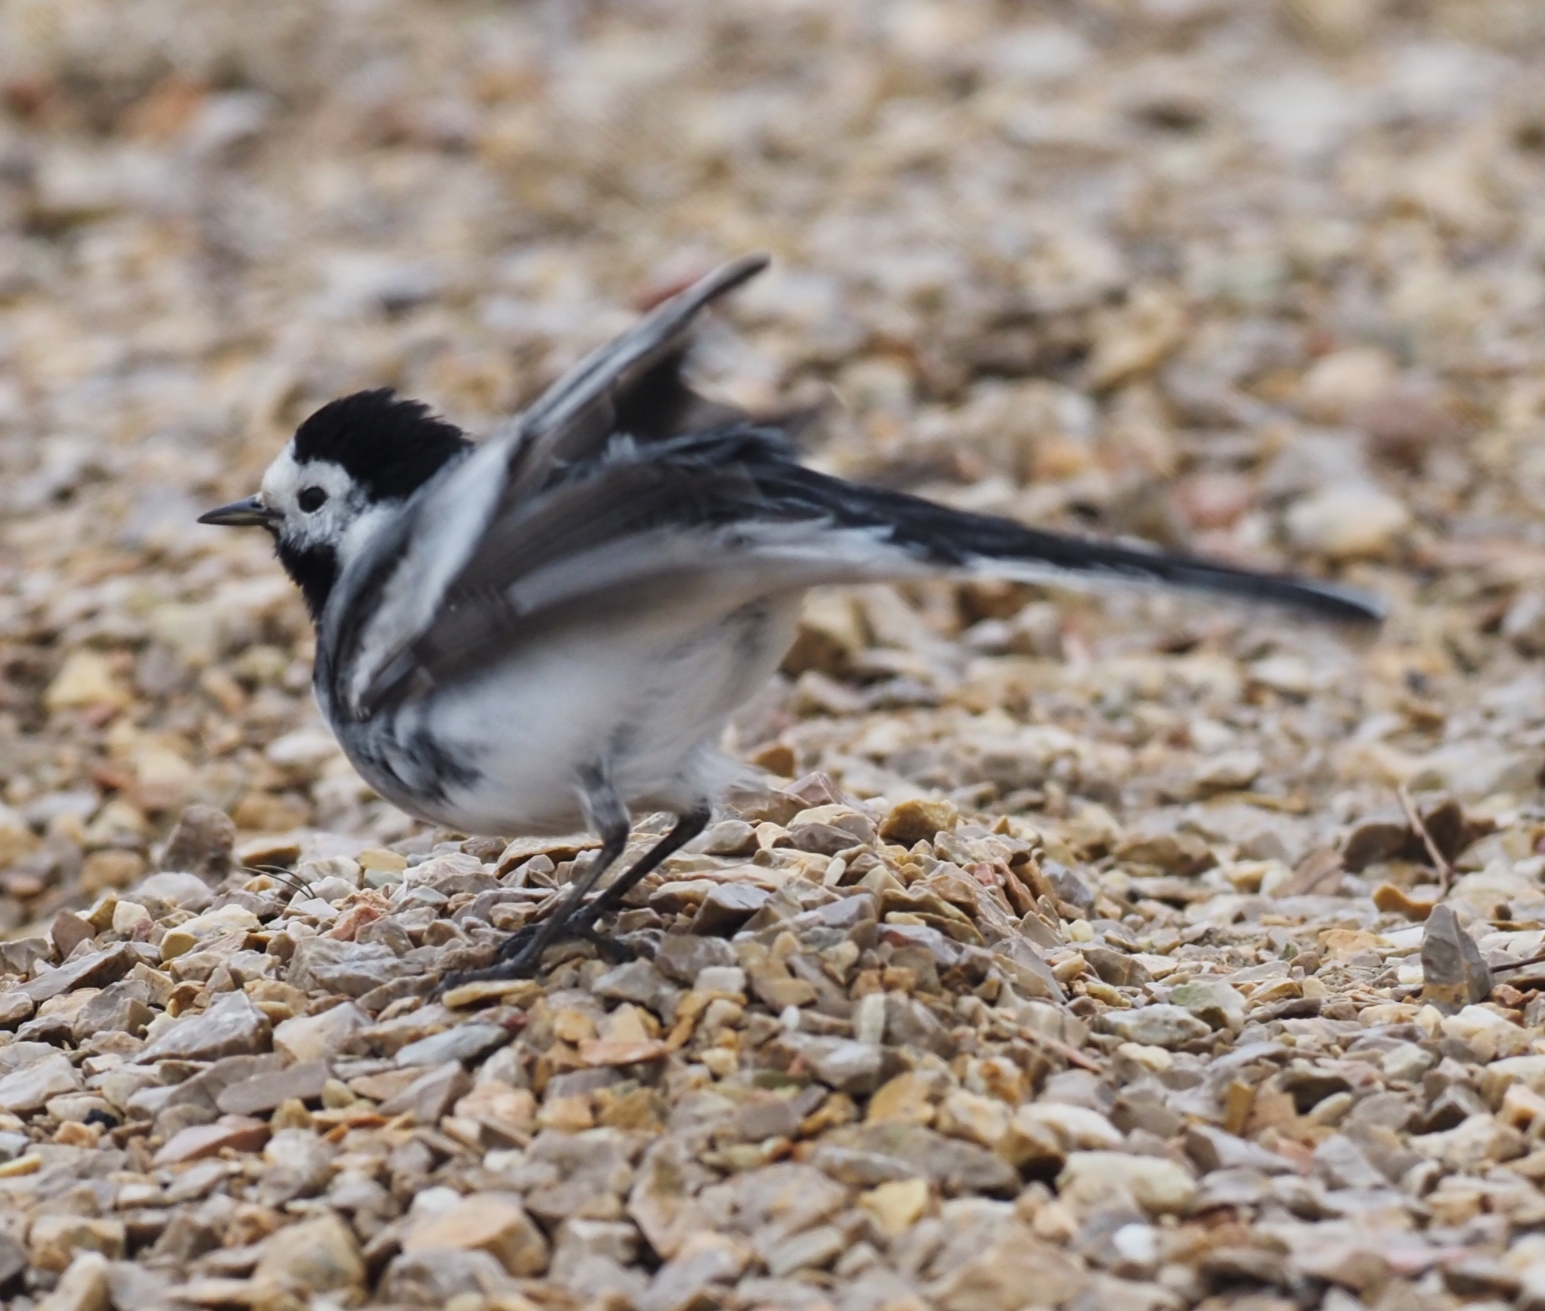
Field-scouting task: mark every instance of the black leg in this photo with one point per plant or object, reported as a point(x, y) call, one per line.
point(522, 950)
point(686, 827)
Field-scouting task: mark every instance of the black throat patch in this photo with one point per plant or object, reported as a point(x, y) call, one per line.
point(314, 570)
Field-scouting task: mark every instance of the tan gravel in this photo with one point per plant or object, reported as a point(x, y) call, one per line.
point(1100, 954)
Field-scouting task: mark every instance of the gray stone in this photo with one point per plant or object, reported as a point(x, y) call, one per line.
point(841, 1063)
point(1159, 1025)
point(13, 1258)
point(350, 968)
point(172, 890)
point(94, 971)
point(25, 1090)
point(727, 907)
point(264, 1092)
point(1454, 973)
point(201, 843)
point(466, 1042)
point(1213, 1149)
point(121, 1007)
point(432, 1094)
point(685, 1281)
point(316, 1037)
point(682, 956)
point(231, 1026)
point(434, 1276)
point(954, 1166)
point(636, 981)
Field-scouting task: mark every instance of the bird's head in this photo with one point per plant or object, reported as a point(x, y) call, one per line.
point(350, 465)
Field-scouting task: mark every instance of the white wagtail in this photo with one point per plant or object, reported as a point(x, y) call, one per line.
point(551, 628)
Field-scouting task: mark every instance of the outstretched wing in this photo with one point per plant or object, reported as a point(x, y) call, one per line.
point(397, 589)
point(621, 494)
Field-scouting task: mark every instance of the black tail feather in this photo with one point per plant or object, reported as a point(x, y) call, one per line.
point(958, 539)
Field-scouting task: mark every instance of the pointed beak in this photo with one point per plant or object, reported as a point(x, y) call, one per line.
point(250, 513)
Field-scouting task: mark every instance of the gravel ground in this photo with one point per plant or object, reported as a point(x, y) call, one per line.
point(1110, 954)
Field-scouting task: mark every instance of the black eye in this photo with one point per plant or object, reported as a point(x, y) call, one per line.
point(311, 498)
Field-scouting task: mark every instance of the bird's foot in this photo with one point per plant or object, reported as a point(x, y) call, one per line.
point(520, 955)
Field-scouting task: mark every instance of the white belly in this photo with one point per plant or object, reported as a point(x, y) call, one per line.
point(641, 698)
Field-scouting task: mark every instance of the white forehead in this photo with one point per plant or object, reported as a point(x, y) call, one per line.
point(286, 476)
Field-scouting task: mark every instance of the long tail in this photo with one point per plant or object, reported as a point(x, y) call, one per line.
point(983, 544)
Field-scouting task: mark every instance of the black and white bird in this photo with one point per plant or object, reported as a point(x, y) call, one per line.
point(551, 628)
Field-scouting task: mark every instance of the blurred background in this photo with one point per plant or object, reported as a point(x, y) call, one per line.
point(1265, 278)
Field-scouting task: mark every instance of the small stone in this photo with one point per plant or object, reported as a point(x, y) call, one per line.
point(237, 1132)
point(1174, 853)
point(840, 1063)
point(112, 868)
point(1392, 900)
point(517, 992)
point(436, 1276)
point(495, 1223)
point(683, 956)
point(121, 1007)
point(1155, 1183)
point(1010, 1268)
point(84, 1286)
point(766, 1117)
point(465, 1042)
point(69, 931)
point(201, 844)
point(1041, 1135)
point(1348, 522)
point(918, 820)
point(1454, 973)
point(971, 1116)
point(635, 981)
point(13, 1258)
point(726, 907)
point(1158, 1025)
point(906, 1099)
point(95, 970)
point(86, 679)
point(1219, 1004)
point(15, 1006)
point(689, 1278)
point(307, 1038)
point(55, 1240)
point(431, 1095)
point(25, 1090)
point(231, 1026)
point(814, 1249)
point(350, 968)
point(898, 1205)
point(172, 890)
point(300, 1082)
point(315, 1256)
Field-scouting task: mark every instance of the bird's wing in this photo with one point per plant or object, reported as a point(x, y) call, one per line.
point(697, 525)
point(631, 385)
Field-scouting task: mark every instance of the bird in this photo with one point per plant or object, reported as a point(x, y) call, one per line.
point(549, 629)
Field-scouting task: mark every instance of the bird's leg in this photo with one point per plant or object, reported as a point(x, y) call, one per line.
point(522, 950)
point(521, 954)
point(686, 827)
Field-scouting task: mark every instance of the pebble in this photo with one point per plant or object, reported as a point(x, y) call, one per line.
point(1156, 1184)
point(1454, 973)
point(239, 1133)
point(315, 1256)
point(231, 1026)
point(1159, 1025)
point(485, 1222)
